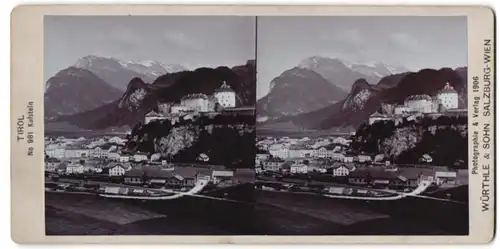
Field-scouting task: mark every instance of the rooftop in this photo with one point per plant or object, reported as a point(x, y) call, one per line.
point(447, 89)
point(224, 88)
point(195, 96)
point(419, 97)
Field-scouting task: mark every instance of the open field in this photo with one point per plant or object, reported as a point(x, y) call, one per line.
point(258, 213)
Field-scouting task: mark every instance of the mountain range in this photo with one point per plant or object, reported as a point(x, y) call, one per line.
point(139, 97)
point(118, 73)
point(365, 98)
point(317, 82)
point(94, 81)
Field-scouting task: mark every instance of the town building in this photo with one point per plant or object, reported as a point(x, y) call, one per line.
point(448, 97)
point(118, 169)
point(261, 157)
point(140, 157)
point(363, 158)
point(74, 168)
point(98, 152)
point(298, 168)
point(77, 152)
point(225, 96)
point(125, 158)
point(324, 152)
point(51, 164)
point(273, 164)
point(380, 177)
point(134, 177)
point(279, 150)
point(445, 177)
point(56, 152)
point(340, 170)
point(219, 175)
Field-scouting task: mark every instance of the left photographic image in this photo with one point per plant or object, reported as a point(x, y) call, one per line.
point(149, 125)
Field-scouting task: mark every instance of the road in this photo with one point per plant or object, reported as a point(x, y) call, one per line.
point(200, 184)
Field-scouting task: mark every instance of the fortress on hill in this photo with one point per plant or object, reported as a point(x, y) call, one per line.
point(223, 99)
point(444, 103)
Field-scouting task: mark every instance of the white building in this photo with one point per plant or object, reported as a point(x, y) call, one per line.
point(421, 103)
point(322, 152)
point(198, 102)
point(56, 152)
point(76, 153)
point(448, 177)
point(218, 175)
point(178, 108)
point(298, 168)
point(225, 96)
point(279, 150)
point(74, 168)
point(259, 158)
point(117, 170)
point(273, 164)
point(448, 97)
point(124, 158)
point(364, 158)
point(340, 170)
point(114, 156)
point(98, 152)
point(139, 157)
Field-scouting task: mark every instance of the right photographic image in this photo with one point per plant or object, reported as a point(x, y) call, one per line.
point(362, 125)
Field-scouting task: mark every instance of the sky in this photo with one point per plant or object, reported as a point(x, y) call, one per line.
point(413, 42)
point(186, 40)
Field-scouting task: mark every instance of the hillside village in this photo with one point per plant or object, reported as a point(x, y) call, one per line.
point(221, 102)
point(445, 103)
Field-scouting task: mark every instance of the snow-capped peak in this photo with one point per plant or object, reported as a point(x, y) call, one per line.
point(149, 68)
point(370, 68)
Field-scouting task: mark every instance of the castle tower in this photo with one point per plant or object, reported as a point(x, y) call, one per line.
point(448, 97)
point(225, 96)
